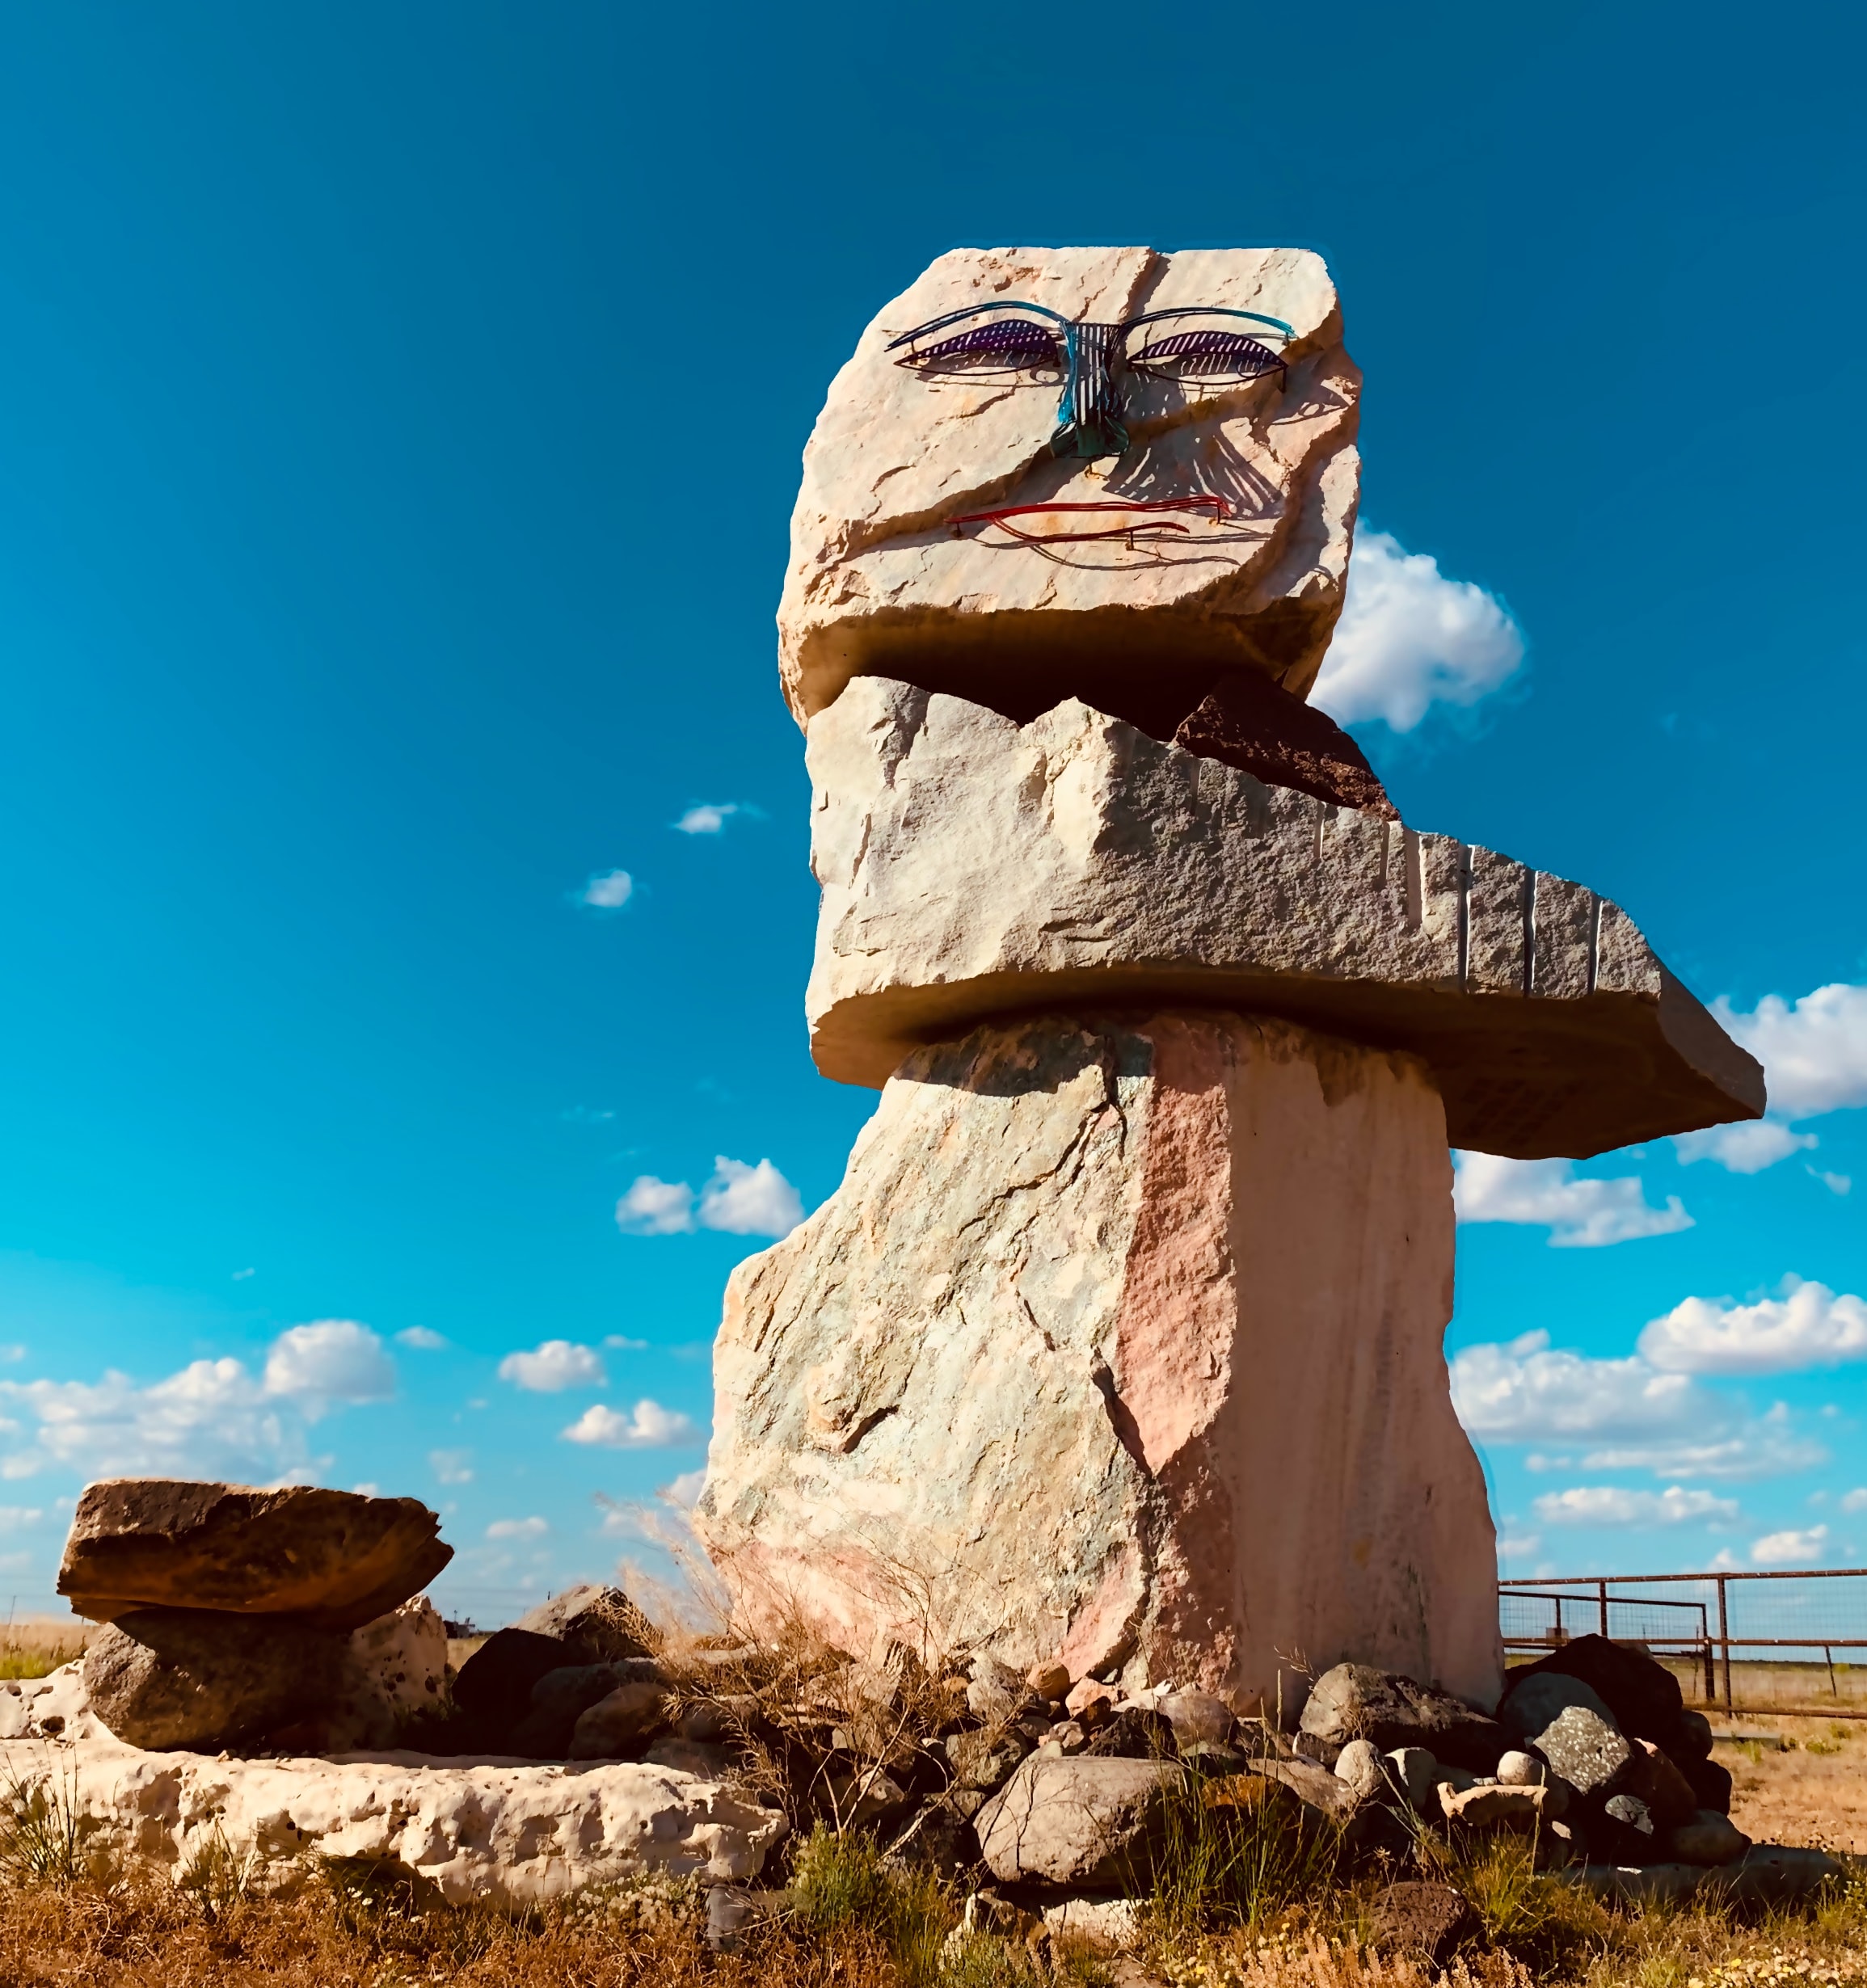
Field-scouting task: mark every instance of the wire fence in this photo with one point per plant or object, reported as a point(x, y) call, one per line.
point(1739, 1642)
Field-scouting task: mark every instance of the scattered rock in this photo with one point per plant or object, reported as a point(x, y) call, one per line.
point(510, 1836)
point(1622, 1830)
point(1251, 723)
point(862, 1796)
point(618, 1724)
point(1710, 1782)
point(1586, 1751)
point(1692, 1738)
point(1089, 1704)
point(1087, 1824)
point(393, 1677)
point(1063, 1739)
point(493, 1686)
point(1356, 1701)
point(1358, 1764)
point(197, 1678)
point(995, 1691)
point(1102, 1925)
point(1649, 1884)
point(560, 1698)
point(1776, 1873)
point(730, 1910)
point(1316, 1787)
point(1663, 1788)
point(1424, 1921)
point(1134, 1733)
point(1198, 1716)
point(686, 1756)
point(598, 1625)
point(1520, 1770)
point(1050, 1680)
point(1639, 1695)
point(1527, 1707)
point(986, 1758)
point(1497, 1806)
point(1707, 1838)
point(1417, 1773)
point(940, 1837)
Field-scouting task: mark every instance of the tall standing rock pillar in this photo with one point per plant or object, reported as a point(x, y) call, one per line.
point(1121, 1341)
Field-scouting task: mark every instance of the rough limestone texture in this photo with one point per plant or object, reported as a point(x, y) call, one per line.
point(1119, 1344)
point(501, 1833)
point(394, 1670)
point(1089, 1824)
point(335, 1558)
point(881, 581)
point(971, 866)
point(56, 1706)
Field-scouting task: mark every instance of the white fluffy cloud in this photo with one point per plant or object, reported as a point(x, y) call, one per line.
point(213, 1417)
point(1815, 1057)
point(1807, 1325)
point(517, 1529)
point(329, 1361)
point(610, 891)
point(1612, 1504)
point(707, 818)
point(552, 1367)
point(421, 1338)
point(1409, 638)
point(1855, 1501)
point(1579, 1214)
point(1776, 1548)
point(647, 1426)
point(683, 1492)
point(1624, 1414)
point(742, 1200)
point(452, 1466)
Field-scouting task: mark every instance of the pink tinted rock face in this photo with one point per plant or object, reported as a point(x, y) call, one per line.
point(1120, 1345)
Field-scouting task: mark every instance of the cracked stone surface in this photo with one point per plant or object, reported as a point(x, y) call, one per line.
point(973, 866)
point(881, 581)
point(1120, 1343)
point(501, 1832)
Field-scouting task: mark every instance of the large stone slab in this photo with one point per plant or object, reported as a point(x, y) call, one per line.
point(1120, 1343)
point(335, 1558)
point(970, 866)
point(499, 1832)
point(881, 580)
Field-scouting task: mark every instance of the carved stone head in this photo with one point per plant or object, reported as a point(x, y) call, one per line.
point(1103, 473)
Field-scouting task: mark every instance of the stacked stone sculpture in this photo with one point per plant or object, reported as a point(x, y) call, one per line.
point(1119, 1347)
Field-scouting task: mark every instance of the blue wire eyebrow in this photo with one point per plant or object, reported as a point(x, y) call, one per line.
point(974, 310)
point(1203, 310)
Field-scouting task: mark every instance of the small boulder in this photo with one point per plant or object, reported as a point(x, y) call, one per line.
point(1710, 1782)
point(1586, 1751)
point(985, 1758)
point(1356, 1701)
point(996, 1692)
point(1198, 1716)
point(1359, 1765)
point(940, 1839)
point(1641, 1696)
point(1707, 1838)
point(685, 1756)
point(1417, 1773)
point(1422, 1922)
point(1692, 1738)
point(595, 1624)
point(1663, 1788)
point(1527, 1708)
point(1135, 1733)
point(1050, 1680)
point(195, 1679)
point(1520, 1769)
point(1090, 1703)
point(1063, 1739)
point(493, 1686)
point(1622, 1830)
point(1776, 1874)
point(1086, 1824)
point(394, 1674)
point(862, 1795)
point(560, 1698)
point(618, 1724)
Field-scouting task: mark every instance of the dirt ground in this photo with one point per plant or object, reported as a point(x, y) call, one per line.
point(1799, 1781)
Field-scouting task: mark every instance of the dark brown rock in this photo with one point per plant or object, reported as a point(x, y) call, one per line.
point(333, 1558)
point(494, 1688)
point(1134, 1733)
point(1424, 1921)
point(1643, 1695)
point(560, 1698)
point(1709, 1781)
point(170, 1679)
point(1356, 1701)
point(1664, 1789)
point(1253, 723)
point(596, 1625)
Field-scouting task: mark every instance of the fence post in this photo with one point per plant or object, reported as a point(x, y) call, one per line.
point(1711, 1687)
point(1725, 1642)
point(1601, 1589)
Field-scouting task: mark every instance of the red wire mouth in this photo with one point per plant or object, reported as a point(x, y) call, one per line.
point(1213, 507)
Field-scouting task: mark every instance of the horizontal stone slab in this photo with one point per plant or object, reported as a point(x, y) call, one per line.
point(496, 1832)
point(973, 867)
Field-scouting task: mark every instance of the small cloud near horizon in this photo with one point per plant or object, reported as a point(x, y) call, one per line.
point(610, 892)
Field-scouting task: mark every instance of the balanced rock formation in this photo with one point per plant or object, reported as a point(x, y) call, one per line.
point(334, 1558)
point(884, 579)
point(1121, 1341)
point(1119, 1347)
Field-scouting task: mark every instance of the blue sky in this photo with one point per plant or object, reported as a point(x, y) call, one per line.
point(400, 411)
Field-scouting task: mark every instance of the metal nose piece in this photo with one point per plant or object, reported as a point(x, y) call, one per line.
point(1088, 415)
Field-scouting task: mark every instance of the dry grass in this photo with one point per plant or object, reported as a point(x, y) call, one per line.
point(35, 1648)
point(1812, 1789)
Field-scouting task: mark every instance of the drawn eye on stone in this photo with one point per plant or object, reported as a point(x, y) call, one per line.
point(1198, 349)
point(982, 343)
